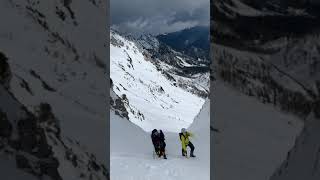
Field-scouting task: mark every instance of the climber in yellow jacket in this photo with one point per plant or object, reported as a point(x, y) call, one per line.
point(184, 138)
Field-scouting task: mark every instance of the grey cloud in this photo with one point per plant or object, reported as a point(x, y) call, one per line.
point(158, 16)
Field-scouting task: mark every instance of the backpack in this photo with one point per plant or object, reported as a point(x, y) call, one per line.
point(153, 136)
point(181, 134)
point(161, 135)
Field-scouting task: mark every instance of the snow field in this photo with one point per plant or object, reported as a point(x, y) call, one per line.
point(132, 152)
point(253, 138)
point(162, 104)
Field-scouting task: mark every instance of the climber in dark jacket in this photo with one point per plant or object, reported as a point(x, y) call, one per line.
point(157, 138)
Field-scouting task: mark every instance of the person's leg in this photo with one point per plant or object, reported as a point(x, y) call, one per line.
point(157, 148)
point(192, 149)
point(159, 152)
point(164, 150)
point(154, 145)
point(160, 149)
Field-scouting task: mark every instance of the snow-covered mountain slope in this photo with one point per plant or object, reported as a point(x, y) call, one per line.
point(302, 160)
point(201, 129)
point(32, 144)
point(287, 78)
point(177, 66)
point(55, 66)
point(299, 57)
point(151, 98)
point(277, 63)
point(132, 152)
point(250, 139)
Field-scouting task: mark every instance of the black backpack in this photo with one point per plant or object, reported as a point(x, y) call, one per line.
point(153, 136)
point(161, 135)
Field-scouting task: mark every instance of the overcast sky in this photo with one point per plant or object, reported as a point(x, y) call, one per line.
point(158, 16)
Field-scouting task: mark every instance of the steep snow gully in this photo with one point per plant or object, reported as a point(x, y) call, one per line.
point(131, 152)
point(251, 139)
point(143, 98)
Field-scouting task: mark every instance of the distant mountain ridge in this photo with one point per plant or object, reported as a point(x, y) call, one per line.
point(240, 23)
point(194, 42)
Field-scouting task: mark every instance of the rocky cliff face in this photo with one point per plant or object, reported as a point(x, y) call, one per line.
point(33, 141)
point(53, 95)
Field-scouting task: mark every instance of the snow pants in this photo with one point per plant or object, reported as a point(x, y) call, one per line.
point(191, 148)
point(159, 146)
